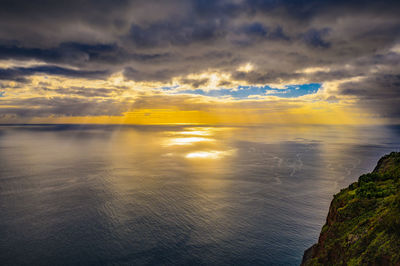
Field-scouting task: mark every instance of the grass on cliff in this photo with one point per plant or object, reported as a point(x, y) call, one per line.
point(363, 224)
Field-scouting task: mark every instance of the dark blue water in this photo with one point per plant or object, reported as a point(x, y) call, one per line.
point(174, 195)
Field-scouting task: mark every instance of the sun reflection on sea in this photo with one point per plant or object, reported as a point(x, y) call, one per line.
point(203, 132)
point(186, 141)
point(208, 154)
point(188, 136)
point(197, 143)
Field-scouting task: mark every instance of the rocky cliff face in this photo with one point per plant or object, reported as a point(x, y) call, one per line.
point(363, 223)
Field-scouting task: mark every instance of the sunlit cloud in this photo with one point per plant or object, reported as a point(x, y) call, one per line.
point(246, 68)
point(311, 70)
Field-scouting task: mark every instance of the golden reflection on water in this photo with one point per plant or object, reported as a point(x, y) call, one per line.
point(194, 159)
point(209, 154)
point(185, 141)
point(203, 141)
point(195, 132)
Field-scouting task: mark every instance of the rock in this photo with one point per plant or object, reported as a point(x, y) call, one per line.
point(363, 222)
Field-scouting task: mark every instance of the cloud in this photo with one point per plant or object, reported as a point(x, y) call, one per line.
point(19, 74)
point(380, 92)
point(64, 106)
point(315, 37)
point(169, 43)
point(88, 92)
point(195, 83)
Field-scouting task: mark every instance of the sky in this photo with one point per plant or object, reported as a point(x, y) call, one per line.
point(200, 61)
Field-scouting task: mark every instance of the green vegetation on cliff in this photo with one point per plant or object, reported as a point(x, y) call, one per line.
point(363, 223)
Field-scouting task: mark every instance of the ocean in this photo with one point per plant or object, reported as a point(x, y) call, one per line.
point(175, 194)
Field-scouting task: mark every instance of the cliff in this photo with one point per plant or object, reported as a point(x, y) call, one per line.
point(363, 223)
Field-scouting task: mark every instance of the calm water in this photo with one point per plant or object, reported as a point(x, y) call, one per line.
point(174, 195)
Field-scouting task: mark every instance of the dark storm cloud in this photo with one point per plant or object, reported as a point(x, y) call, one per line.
point(166, 33)
point(381, 92)
point(79, 54)
point(19, 73)
point(195, 83)
point(153, 40)
point(270, 77)
point(61, 53)
point(315, 37)
point(154, 75)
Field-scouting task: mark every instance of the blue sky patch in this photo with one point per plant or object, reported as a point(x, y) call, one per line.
point(2, 93)
point(167, 88)
point(242, 92)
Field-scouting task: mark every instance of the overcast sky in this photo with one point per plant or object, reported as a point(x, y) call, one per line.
point(154, 61)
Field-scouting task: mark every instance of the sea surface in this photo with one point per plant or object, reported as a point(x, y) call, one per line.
point(174, 195)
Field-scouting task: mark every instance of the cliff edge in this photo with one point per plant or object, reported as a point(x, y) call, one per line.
point(363, 223)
